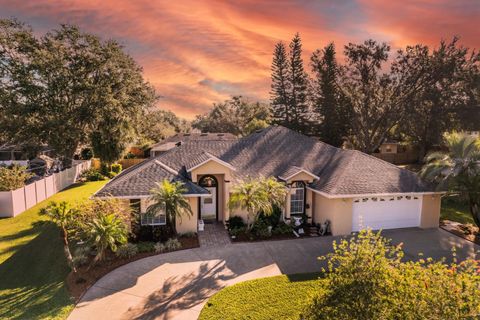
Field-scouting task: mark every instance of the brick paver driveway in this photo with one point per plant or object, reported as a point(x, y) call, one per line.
point(176, 285)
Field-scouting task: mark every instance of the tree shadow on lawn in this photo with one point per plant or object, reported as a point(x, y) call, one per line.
point(33, 277)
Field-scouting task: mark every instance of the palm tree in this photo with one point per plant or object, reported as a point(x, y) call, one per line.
point(64, 217)
point(257, 195)
point(458, 170)
point(106, 231)
point(168, 199)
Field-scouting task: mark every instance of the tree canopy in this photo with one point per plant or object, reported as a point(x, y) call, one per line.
point(66, 87)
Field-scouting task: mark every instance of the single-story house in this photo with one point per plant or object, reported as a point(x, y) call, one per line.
point(350, 188)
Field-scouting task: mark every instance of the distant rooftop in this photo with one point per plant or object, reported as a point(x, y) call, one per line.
point(169, 142)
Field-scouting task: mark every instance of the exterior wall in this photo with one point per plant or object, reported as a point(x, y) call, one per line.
point(189, 224)
point(224, 176)
point(338, 211)
point(302, 176)
point(431, 205)
point(392, 146)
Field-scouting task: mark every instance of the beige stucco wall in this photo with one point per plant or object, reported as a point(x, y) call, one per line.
point(189, 223)
point(338, 211)
point(302, 176)
point(430, 211)
point(211, 167)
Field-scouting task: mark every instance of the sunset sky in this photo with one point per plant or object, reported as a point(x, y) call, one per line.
point(199, 52)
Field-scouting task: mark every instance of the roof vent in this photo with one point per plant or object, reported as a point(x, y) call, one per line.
point(220, 134)
point(204, 134)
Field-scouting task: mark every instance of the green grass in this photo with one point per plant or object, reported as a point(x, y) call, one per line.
point(32, 263)
point(280, 297)
point(457, 210)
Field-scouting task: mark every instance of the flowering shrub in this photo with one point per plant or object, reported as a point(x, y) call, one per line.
point(366, 279)
point(13, 177)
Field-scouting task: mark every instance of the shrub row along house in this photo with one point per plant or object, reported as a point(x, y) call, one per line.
point(349, 188)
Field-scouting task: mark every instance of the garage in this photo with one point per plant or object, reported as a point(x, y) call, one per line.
point(386, 212)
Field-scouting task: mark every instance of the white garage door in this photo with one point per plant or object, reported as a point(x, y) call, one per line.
point(386, 212)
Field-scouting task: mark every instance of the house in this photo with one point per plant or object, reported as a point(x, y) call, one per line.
point(176, 140)
point(351, 189)
point(389, 147)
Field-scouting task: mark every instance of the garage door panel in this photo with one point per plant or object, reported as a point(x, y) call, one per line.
point(388, 214)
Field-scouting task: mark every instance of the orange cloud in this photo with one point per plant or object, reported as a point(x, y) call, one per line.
point(199, 52)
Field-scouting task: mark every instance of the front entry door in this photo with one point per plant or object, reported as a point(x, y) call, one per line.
point(209, 205)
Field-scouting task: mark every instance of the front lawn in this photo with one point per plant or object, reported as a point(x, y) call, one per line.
point(280, 297)
point(32, 263)
point(455, 209)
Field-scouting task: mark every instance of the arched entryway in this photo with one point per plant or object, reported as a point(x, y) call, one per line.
point(209, 205)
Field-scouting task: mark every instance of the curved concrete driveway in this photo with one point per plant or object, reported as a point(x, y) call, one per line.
point(177, 285)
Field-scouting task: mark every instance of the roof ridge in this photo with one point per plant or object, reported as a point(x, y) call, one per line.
point(142, 165)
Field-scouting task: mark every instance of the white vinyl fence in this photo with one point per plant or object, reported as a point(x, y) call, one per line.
point(17, 201)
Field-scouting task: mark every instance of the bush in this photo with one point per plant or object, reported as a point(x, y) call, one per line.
point(116, 167)
point(282, 228)
point(128, 250)
point(13, 177)
point(238, 231)
point(80, 256)
point(93, 174)
point(146, 246)
point(173, 244)
point(367, 279)
point(272, 219)
point(261, 229)
point(129, 155)
point(235, 222)
point(86, 154)
point(159, 247)
point(112, 174)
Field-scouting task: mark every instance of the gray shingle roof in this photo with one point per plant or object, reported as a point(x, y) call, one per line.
point(185, 137)
point(276, 151)
point(140, 179)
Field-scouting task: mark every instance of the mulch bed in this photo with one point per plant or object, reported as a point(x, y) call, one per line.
point(467, 231)
point(246, 238)
point(85, 277)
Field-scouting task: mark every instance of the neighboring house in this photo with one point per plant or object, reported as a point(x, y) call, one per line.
point(176, 140)
point(351, 189)
point(17, 154)
point(389, 147)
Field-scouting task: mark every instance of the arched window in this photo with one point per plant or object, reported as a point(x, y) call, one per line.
point(208, 181)
point(297, 198)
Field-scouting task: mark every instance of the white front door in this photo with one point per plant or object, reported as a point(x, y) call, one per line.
point(386, 212)
point(208, 205)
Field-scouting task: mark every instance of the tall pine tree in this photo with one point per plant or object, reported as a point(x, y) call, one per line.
point(280, 86)
point(290, 87)
point(331, 111)
point(300, 111)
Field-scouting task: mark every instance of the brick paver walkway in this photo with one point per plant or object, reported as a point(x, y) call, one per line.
point(214, 235)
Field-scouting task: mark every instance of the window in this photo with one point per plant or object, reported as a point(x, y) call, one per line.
point(149, 220)
point(297, 198)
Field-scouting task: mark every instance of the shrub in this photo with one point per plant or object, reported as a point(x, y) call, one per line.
point(235, 222)
point(272, 219)
point(159, 247)
point(112, 174)
point(80, 256)
point(93, 174)
point(86, 154)
point(172, 244)
point(282, 228)
point(127, 250)
point(261, 229)
point(146, 246)
point(129, 155)
point(367, 279)
point(13, 177)
point(238, 231)
point(116, 167)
